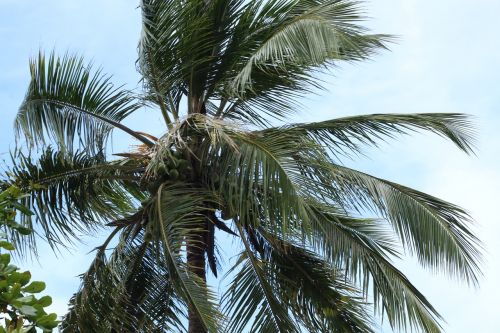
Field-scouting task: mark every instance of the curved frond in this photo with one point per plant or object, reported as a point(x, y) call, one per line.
point(363, 249)
point(449, 244)
point(70, 104)
point(156, 62)
point(178, 212)
point(182, 50)
point(346, 135)
point(264, 182)
point(251, 301)
point(316, 292)
point(306, 34)
point(72, 193)
point(130, 291)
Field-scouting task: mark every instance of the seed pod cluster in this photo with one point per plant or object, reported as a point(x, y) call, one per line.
point(174, 167)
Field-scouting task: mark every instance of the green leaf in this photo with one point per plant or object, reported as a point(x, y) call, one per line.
point(4, 259)
point(26, 299)
point(23, 209)
point(35, 287)
point(28, 310)
point(25, 278)
point(19, 277)
point(48, 321)
point(7, 245)
point(45, 301)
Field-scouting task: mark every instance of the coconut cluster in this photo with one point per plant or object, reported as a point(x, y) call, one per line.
point(174, 167)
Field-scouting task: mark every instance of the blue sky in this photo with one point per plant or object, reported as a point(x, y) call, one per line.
point(446, 60)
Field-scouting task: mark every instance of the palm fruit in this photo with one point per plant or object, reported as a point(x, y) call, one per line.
point(162, 169)
point(182, 164)
point(173, 173)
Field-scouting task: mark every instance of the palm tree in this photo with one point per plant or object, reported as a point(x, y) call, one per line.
point(223, 73)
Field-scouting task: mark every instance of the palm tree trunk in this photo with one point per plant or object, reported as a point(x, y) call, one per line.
point(196, 247)
point(196, 264)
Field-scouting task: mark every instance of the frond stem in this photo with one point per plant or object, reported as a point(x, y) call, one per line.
point(164, 111)
point(104, 245)
point(104, 119)
point(175, 111)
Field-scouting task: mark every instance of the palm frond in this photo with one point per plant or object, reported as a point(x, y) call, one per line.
point(347, 135)
point(449, 246)
point(70, 104)
point(264, 183)
point(180, 51)
point(72, 193)
point(308, 34)
point(363, 250)
point(262, 179)
point(128, 292)
point(156, 62)
point(251, 302)
point(177, 213)
point(316, 292)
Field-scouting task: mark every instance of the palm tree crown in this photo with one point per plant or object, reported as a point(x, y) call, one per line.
point(222, 72)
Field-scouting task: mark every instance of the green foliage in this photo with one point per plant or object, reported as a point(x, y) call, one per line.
point(67, 101)
point(130, 291)
point(71, 193)
point(219, 72)
point(23, 311)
